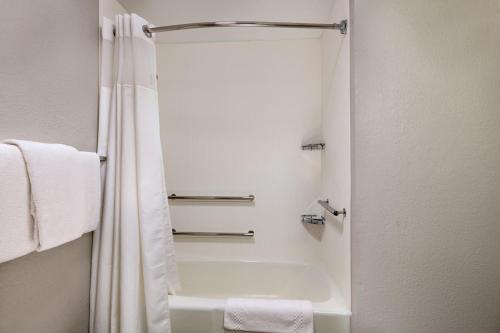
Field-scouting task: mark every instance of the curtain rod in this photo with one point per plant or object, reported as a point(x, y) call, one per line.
point(342, 26)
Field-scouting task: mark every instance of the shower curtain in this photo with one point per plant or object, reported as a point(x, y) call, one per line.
point(133, 264)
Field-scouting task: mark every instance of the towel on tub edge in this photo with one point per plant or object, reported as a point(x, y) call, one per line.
point(65, 191)
point(268, 315)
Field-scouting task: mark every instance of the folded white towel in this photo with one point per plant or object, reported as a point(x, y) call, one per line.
point(17, 237)
point(65, 191)
point(270, 316)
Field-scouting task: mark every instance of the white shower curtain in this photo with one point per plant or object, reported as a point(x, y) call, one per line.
point(133, 264)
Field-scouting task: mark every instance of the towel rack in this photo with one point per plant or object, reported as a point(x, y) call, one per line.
point(326, 205)
point(249, 198)
point(248, 234)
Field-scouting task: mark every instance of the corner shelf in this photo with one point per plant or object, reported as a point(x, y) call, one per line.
point(314, 146)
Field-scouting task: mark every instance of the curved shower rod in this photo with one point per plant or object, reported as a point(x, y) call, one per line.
point(149, 31)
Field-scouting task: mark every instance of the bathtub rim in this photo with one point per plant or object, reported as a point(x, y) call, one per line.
point(335, 305)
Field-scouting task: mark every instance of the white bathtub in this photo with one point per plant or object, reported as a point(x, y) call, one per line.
point(199, 307)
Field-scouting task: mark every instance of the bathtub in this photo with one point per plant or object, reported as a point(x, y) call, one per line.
point(199, 307)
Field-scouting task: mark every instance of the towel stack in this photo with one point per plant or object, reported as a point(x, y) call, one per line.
point(49, 195)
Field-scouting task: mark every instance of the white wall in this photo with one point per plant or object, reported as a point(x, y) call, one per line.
point(426, 166)
point(48, 93)
point(336, 163)
point(110, 8)
point(233, 118)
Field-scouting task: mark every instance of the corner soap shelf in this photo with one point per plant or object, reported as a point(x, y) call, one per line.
point(314, 146)
point(320, 220)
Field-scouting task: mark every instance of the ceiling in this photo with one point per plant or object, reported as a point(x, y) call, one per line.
point(167, 12)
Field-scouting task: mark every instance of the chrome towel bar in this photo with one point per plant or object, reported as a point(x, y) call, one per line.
point(326, 205)
point(249, 198)
point(248, 234)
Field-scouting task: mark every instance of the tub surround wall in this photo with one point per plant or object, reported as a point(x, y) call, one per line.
point(336, 165)
point(233, 117)
point(48, 92)
point(426, 166)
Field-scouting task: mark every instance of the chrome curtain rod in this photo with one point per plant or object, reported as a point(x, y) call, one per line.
point(342, 26)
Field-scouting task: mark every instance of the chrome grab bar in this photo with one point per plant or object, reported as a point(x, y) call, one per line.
point(249, 198)
point(248, 234)
point(326, 205)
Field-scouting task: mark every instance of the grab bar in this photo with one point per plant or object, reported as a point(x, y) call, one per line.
point(249, 234)
point(249, 198)
point(326, 205)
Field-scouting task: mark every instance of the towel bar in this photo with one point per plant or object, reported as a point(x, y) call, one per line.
point(248, 234)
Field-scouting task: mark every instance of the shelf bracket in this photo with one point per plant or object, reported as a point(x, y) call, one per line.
point(326, 205)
